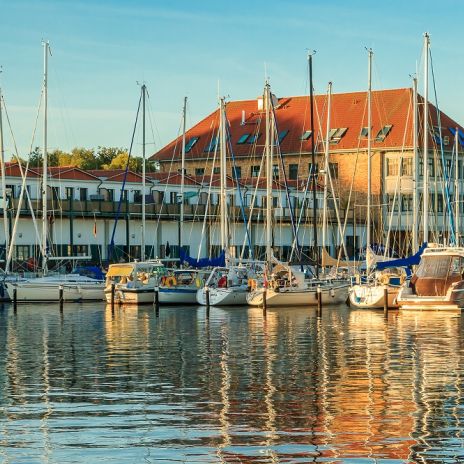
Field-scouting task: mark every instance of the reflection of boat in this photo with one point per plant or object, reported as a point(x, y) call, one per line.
point(181, 286)
point(135, 283)
point(438, 282)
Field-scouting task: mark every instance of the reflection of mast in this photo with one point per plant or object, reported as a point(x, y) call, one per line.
point(45, 398)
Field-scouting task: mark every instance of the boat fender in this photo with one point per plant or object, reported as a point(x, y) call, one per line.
point(198, 282)
point(252, 284)
point(170, 281)
point(385, 279)
point(332, 292)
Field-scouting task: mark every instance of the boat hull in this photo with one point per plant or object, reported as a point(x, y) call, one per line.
point(372, 296)
point(453, 300)
point(43, 292)
point(176, 295)
point(232, 296)
point(307, 297)
point(131, 296)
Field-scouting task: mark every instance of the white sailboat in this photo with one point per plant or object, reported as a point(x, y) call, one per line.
point(284, 286)
point(49, 287)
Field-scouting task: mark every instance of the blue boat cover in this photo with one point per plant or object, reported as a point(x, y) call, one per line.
point(220, 261)
point(403, 262)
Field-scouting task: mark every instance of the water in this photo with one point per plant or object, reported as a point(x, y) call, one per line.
point(92, 386)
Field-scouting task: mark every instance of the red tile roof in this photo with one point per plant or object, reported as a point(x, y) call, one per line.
point(349, 110)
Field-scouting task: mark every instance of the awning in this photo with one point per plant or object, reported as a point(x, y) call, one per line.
point(119, 270)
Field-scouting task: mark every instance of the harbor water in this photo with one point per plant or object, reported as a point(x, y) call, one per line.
point(91, 385)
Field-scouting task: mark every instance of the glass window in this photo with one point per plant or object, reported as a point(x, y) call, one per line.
point(110, 194)
point(69, 192)
point(237, 172)
point(211, 146)
point(392, 167)
point(364, 132)
point(22, 252)
point(255, 171)
point(406, 202)
point(333, 168)
point(83, 194)
point(382, 134)
point(243, 139)
point(293, 171)
point(191, 143)
point(199, 171)
point(431, 167)
point(253, 138)
point(282, 135)
point(12, 189)
point(406, 168)
point(306, 135)
point(217, 170)
point(275, 170)
point(335, 135)
point(313, 170)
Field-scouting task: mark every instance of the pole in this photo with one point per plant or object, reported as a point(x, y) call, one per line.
point(61, 297)
point(5, 206)
point(313, 163)
point(369, 167)
point(157, 306)
point(45, 162)
point(223, 178)
point(113, 289)
point(268, 155)
point(182, 175)
point(265, 301)
point(15, 299)
point(319, 301)
point(326, 167)
point(385, 301)
point(456, 188)
point(426, 139)
point(144, 91)
point(415, 191)
point(207, 300)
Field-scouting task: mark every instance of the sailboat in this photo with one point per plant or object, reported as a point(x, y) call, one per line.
point(71, 287)
point(227, 285)
point(284, 285)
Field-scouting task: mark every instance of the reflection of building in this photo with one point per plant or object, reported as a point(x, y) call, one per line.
point(392, 149)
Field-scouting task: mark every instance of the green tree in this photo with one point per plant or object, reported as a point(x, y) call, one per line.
point(120, 162)
point(84, 158)
point(105, 155)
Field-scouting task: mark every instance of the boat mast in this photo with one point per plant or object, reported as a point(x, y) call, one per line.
point(268, 155)
point(326, 168)
point(182, 175)
point(456, 185)
point(313, 162)
point(45, 162)
point(144, 91)
point(415, 191)
point(426, 138)
point(2, 167)
point(223, 176)
point(370, 53)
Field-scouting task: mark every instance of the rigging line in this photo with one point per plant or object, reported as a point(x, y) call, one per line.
point(442, 153)
point(23, 184)
point(118, 212)
point(235, 176)
point(287, 194)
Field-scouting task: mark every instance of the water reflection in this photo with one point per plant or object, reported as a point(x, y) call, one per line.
point(126, 386)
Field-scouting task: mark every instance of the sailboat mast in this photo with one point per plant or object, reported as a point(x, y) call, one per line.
point(182, 175)
point(142, 255)
point(415, 191)
point(45, 162)
point(2, 167)
point(223, 175)
point(369, 167)
point(326, 169)
point(456, 185)
point(268, 155)
point(426, 138)
point(313, 172)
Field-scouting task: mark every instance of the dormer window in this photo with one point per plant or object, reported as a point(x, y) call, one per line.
point(243, 139)
point(382, 134)
point(191, 143)
point(335, 135)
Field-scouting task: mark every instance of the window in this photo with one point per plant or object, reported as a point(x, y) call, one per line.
point(313, 170)
point(431, 167)
point(199, 171)
point(12, 190)
point(110, 194)
point(392, 167)
point(237, 172)
point(69, 193)
point(22, 252)
point(333, 169)
point(217, 170)
point(253, 138)
point(173, 198)
point(211, 146)
point(282, 135)
point(254, 171)
point(440, 203)
point(390, 199)
point(191, 143)
point(55, 193)
point(242, 139)
point(83, 194)
point(364, 132)
point(421, 166)
point(335, 135)
point(306, 135)
point(406, 167)
point(382, 134)
point(137, 196)
point(79, 250)
point(275, 170)
point(448, 170)
point(293, 171)
point(436, 134)
point(406, 202)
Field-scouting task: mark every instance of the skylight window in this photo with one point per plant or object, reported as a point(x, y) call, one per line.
point(382, 134)
point(191, 143)
point(364, 132)
point(335, 135)
point(242, 139)
point(282, 135)
point(306, 135)
point(253, 138)
point(212, 145)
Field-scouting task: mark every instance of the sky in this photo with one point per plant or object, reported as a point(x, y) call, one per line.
point(101, 50)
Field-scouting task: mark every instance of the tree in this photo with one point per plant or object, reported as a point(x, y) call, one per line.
point(105, 155)
point(120, 162)
point(84, 158)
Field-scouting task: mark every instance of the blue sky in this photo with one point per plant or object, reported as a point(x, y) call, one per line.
point(100, 49)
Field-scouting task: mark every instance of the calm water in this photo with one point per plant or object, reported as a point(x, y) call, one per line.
point(92, 386)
